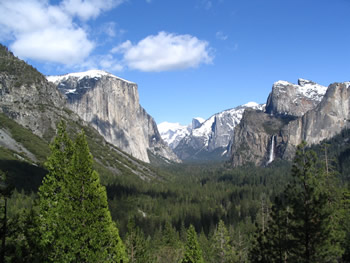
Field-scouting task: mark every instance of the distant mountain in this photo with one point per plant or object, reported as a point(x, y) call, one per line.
point(173, 133)
point(294, 113)
point(30, 109)
point(211, 139)
point(111, 105)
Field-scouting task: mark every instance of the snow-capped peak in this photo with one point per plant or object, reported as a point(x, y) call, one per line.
point(228, 118)
point(282, 83)
point(172, 133)
point(251, 104)
point(305, 88)
point(94, 73)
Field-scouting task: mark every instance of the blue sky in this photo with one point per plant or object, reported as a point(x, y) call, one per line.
point(189, 58)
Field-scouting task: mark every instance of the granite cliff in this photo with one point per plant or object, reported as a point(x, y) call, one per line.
point(30, 109)
point(293, 114)
point(111, 105)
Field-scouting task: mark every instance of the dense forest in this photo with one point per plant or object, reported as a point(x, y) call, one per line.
point(286, 212)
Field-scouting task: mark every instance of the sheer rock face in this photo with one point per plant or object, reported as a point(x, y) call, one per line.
point(330, 116)
point(287, 99)
point(257, 135)
point(111, 106)
point(253, 137)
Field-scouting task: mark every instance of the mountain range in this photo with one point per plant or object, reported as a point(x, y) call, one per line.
point(107, 108)
point(205, 139)
point(30, 109)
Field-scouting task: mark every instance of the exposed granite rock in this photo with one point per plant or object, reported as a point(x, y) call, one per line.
point(27, 97)
point(330, 116)
point(294, 100)
point(253, 137)
point(111, 105)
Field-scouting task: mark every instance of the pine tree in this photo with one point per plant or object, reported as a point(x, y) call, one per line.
point(50, 192)
point(304, 225)
point(136, 244)
point(74, 217)
point(5, 192)
point(193, 253)
point(223, 250)
point(271, 245)
point(314, 206)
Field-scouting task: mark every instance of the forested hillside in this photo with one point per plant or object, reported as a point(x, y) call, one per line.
point(154, 217)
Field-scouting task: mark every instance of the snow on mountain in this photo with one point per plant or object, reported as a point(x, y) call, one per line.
point(213, 136)
point(227, 120)
point(306, 88)
point(173, 133)
point(294, 99)
point(94, 73)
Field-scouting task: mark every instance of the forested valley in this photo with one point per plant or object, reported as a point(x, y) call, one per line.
point(285, 212)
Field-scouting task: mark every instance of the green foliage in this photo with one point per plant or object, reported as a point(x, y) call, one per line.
point(304, 225)
point(137, 246)
point(223, 250)
point(193, 252)
point(75, 223)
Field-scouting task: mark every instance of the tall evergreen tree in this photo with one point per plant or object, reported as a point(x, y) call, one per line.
point(223, 250)
point(74, 217)
point(50, 192)
point(304, 225)
point(193, 253)
point(5, 192)
point(315, 207)
point(136, 244)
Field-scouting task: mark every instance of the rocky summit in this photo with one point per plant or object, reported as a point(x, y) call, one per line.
point(294, 100)
point(294, 113)
point(111, 105)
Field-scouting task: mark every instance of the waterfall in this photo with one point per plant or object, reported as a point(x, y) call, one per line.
point(272, 149)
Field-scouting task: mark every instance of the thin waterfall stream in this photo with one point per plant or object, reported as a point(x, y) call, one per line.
point(272, 149)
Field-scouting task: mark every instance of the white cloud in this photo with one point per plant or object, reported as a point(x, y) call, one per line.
point(40, 31)
point(86, 9)
point(65, 46)
point(221, 36)
point(164, 52)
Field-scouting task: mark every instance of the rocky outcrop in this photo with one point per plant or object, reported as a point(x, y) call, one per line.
point(111, 105)
point(260, 134)
point(330, 116)
point(259, 138)
point(27, 97)
point(211, 140)
point(294, 100)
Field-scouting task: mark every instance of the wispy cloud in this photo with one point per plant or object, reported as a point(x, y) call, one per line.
point(221, 35)
point(165, 52)
point(40, 31)
point(87, 9)
point(206, 4)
